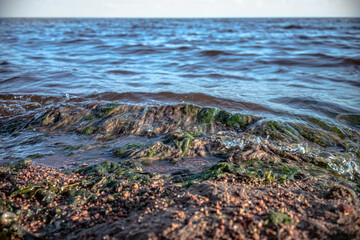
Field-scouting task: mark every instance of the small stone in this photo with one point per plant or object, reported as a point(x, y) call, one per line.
point(202, 153)
point(7, 218)
point(127, 194)
point(218, 212)
point(111, 198)
point(346, 209)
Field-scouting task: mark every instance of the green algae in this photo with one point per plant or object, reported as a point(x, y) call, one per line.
point(105, 110)
point(191, 110)
point(89, 130)
point(187, 139)
point(235, 121)
point(220, 169)
point(45, 191)
point(277, 218)
point(253, 162)
point(350, 119)
point(126, 150)
point(207, 115)
point(279, 131)
point(36, 155)
point(108, 171)
point(314, 136)
point(211, 173)
point(5, 205)
point(182, 141)
point(319, 123)
point(269, 177)
point(290, 171)
point(150, 152)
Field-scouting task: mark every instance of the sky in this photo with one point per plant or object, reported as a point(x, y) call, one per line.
point(179, 8)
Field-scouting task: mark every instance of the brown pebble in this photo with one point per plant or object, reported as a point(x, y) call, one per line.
point(127, 194)
point(346, 209)
point(202, 153)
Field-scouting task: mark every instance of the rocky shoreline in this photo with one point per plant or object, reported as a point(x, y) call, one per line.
point(120, 201)
point(176, 172)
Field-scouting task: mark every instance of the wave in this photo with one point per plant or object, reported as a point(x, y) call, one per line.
point(217, 76)
point(293, 27)
point(122, 72)
point(79, 40)
point(4, 63)
point(214, 53)
point(327, 109)
point(142, 98)
point(312, 60)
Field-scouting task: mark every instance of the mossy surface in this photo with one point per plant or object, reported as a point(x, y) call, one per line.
point(211, 173)
point(126, 150)
point(207, 115)
point(277, 218)
point(105, 110)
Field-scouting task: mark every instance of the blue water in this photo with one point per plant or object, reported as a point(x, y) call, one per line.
point(275, 67)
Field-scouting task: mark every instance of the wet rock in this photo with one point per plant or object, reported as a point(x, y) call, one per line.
point(253, 151)
point(7, 218)
point(352, 120)
point(215, 192)
point(46, 196)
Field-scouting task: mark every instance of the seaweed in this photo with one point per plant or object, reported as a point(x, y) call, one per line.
point(126, 150)
point(207, 115)
point(277, 218)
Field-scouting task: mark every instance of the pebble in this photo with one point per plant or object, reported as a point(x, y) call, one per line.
point(202, 153)
point(346, 209)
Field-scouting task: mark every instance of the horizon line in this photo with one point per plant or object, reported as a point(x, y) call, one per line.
point(192, 17)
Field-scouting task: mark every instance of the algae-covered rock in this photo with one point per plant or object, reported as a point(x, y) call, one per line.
point(207, 115)
point(213, 172)
point(121, 119)
point(253, 151)
point(129, 150)
point(350, 119)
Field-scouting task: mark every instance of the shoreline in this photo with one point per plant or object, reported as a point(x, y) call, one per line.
point(176, 172)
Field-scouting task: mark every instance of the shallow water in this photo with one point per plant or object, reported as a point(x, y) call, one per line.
point(299, 80)
point(271, 67)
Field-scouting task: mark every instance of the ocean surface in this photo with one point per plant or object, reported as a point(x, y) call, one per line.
point(273, 67)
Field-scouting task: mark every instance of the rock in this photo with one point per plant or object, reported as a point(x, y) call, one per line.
point(202, 153)
point(7, 218)
point(342, 192)
point(346, 209)
point(215, 192)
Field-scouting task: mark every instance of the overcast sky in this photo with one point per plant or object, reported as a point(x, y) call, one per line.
point(180, 8)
